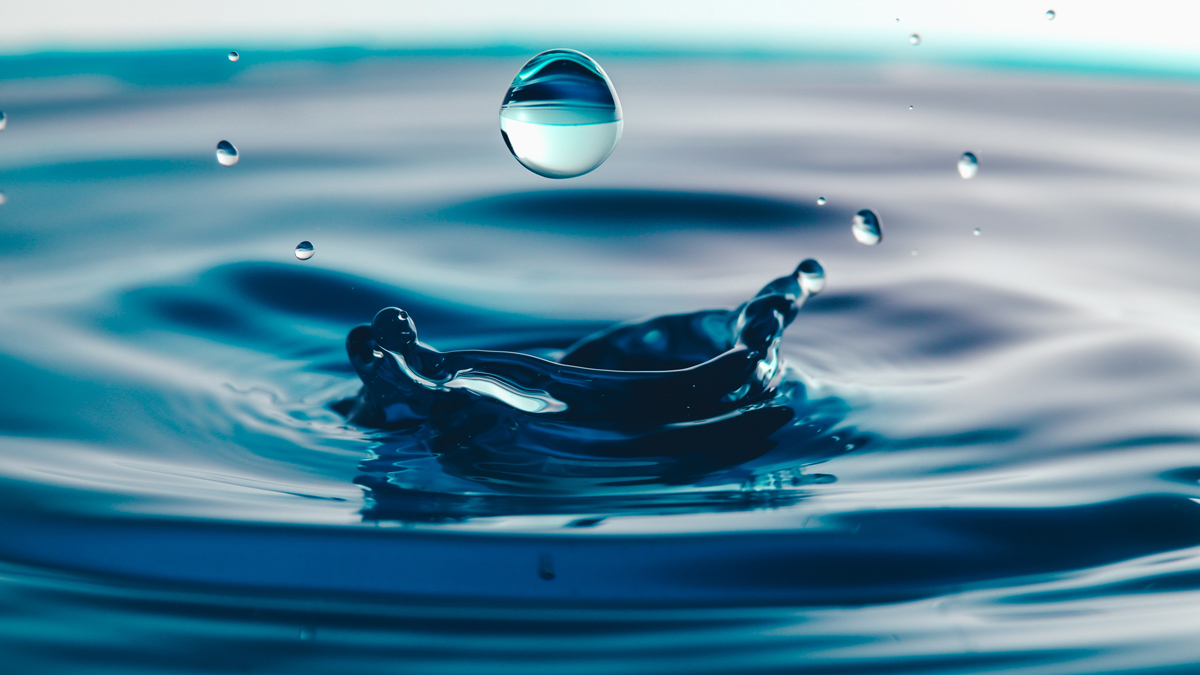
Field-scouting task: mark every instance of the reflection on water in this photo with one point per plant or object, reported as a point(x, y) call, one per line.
point(982, 457)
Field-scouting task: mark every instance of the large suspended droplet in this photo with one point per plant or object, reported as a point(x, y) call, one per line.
point(3, 120)
point(820, 201)
point(227, 155)
point(968, 165)
point(866, 228)
point(234, 56)
point(1050, 15)
point(914, 39)
point(305, 250)
point(812, 276)
point(561, 117)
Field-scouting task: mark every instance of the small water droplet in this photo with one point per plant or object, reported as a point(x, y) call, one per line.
point(561, 117)
point(308, 634)
point(227, 155)
point(968, 165)
point(1050, 15)
point(866, 228)
point(812, 276)
point(234, 56)
point(3, 120)
point(820, 201)
point(3, 198)
point(914, 39)
point(546, 567)
point(978, 232)
point(304, 250)
point(897, 19)
point(910, 107)
point(914, 251)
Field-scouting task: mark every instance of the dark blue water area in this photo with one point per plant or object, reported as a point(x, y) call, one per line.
point(977, 449)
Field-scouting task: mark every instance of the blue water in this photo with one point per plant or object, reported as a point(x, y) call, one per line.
point(989, 460)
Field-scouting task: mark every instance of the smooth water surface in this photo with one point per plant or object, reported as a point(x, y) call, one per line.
point(986, 459)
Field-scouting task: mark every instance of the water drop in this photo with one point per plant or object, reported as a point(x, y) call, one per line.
point(914, 251)
point(308, 634)
point(978, 232)
point(914, 39)
point(304, 250)
point(234, 56)
point(812, 276)
point(910, 107)
point(968, 165)
point(561, 117)
point(3, 198)
point(3, 120)
point(820, 201)
point(227, 155)
point(866, 228)
point(1050, 15)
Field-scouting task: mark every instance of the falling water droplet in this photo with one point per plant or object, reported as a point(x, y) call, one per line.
point(978, 232)
point(3, 120)
point(914, 39)
point(820, 201)
point(812, 276)
point(910, 107)
point(227, 155)
point(866, 228)
point(304, 250)
point(234, 56)
point(3, 198)
point(1050, 15)
point(561, 117)
point(968, 165)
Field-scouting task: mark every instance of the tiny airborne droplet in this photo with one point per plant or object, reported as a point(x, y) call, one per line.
point(978, 232)
point(304, 250)
point(227, 155)
point(968, 165)
point(910, 107)
point(234, 56)
point(1050, 15)
point(914, 39)
point(3, 120)
point(812, 276)
point(866, 228)
point(3, 198)
point(561, 117)
point(820, 201)
point(914, 251)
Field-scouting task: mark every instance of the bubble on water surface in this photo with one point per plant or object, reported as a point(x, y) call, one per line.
point(227, 155)
point(561, 117)
point(3, 120)
point(1050, 15)
point(914, 39)
point(968, 165)
point(820, 201)
point(305, 250)
point(812, 276)
point(234, 56)
point(866, 228)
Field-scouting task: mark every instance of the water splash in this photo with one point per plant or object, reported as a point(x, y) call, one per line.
point(305, 250)
point(234, 56)
point(968, 165)
point(866, 228)
point(227, 155)
point(659, 401)
point(561, 117)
